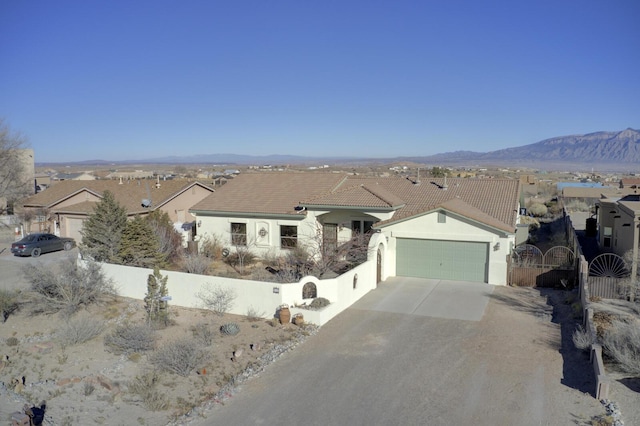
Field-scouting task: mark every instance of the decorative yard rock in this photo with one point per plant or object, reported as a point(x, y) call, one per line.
point(237, 354)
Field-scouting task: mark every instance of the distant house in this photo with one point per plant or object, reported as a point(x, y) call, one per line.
point(632, 183)
point(74, 176)
point(63, 207)
point(455, 229)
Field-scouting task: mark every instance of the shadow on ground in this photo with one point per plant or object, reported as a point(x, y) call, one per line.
point(633, 383)
point(556, 306)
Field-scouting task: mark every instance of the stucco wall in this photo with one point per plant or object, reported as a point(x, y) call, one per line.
point(258, 244)
point(456, 228)
point(263, 297)
point(183, 202)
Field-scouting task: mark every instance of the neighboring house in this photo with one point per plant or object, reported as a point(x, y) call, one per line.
point(574, 196)
point(633, 183)
point(74, 176)
point(455, 229)
point(63, 207)
point(618, 220)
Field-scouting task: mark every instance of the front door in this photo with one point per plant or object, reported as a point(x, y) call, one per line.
point(329, 238)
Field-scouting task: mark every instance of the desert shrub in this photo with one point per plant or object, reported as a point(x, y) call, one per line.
point(217, 299)
point(230, 329)
point(12, 341)
point(204, 333)
point(196, 264)
point(181, 356)
point(319, 302)
point(621, 342)
point(582, 339)
point(577, 206)
point(129, 338)
point(253, 314)
point(88, 388)
point(79, 330)
point(602, 321)
point(67, 288)
point(145, 386)
point(8, 303)
point(211, 246)
point(538, 209)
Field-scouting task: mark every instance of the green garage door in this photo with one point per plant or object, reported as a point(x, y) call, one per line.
point(446, 260)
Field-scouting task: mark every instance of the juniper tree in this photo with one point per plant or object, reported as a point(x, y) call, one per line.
point(139, 245)
point(156, 307)
point(169, 240)
point(102, 231)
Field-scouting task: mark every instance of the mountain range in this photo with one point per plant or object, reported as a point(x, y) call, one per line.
point(601, 150)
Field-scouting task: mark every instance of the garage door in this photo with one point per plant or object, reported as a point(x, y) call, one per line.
point(445, 260)
point(74, 226)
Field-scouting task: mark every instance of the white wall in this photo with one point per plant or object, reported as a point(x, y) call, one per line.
point(456, 228)
point(263, 297)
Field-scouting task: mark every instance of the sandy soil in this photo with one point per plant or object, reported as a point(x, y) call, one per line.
point(87, 384)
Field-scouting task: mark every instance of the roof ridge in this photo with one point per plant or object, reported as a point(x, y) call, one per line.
point(384, 194)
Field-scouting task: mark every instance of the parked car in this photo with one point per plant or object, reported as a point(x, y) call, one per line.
point(36, 244)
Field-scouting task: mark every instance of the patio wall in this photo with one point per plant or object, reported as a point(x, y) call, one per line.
point(263, 297)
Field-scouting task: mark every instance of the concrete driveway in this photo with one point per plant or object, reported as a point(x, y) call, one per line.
point(429, 297)
point(11, 267)
point(417, 352)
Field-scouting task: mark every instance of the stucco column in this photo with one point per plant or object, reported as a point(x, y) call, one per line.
point(634, 263)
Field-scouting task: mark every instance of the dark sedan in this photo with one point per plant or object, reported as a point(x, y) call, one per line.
point(36, 244)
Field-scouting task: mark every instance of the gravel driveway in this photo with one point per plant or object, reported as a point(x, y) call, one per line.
point(368, 366)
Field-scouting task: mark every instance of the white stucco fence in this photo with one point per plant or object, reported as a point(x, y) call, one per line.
point(262, 297)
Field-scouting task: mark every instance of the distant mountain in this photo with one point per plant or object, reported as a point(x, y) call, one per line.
point(602, 148)
point(244, 159)
point(606, 150)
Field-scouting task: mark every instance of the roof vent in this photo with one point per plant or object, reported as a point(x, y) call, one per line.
point(158, 183)
point(444, 185)
point(417, 182)
point(146, 203)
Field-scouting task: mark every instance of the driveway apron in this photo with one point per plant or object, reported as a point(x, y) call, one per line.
point(397, 357)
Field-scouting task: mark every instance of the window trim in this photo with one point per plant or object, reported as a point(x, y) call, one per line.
point(238, 234)
point(292, 238)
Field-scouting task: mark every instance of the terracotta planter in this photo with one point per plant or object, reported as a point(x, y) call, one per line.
point(298, 319)
point(285, 315)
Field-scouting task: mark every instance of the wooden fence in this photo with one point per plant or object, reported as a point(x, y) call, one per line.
point(541, 275)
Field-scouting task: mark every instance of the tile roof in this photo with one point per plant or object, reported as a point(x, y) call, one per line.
point(129, 194)
point(268, 193)
point(490, 201)
point(371, 195)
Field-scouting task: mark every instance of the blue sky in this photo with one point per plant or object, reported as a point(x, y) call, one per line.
point(117, 80)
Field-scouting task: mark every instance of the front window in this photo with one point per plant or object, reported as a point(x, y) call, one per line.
point(288, 236)
point(239, 234)
point(361, 226)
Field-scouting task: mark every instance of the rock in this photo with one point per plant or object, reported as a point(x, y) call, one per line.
point(237, 354)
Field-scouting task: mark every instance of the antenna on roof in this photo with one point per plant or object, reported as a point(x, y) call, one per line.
point(146, 202)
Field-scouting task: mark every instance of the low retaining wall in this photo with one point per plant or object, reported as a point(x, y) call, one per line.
point(595, 357)
point(262, 297)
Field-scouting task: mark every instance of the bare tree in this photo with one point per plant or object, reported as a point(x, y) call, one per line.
point(67, 288)
point(217, 299)
point(631, 284)
point(15, 182)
